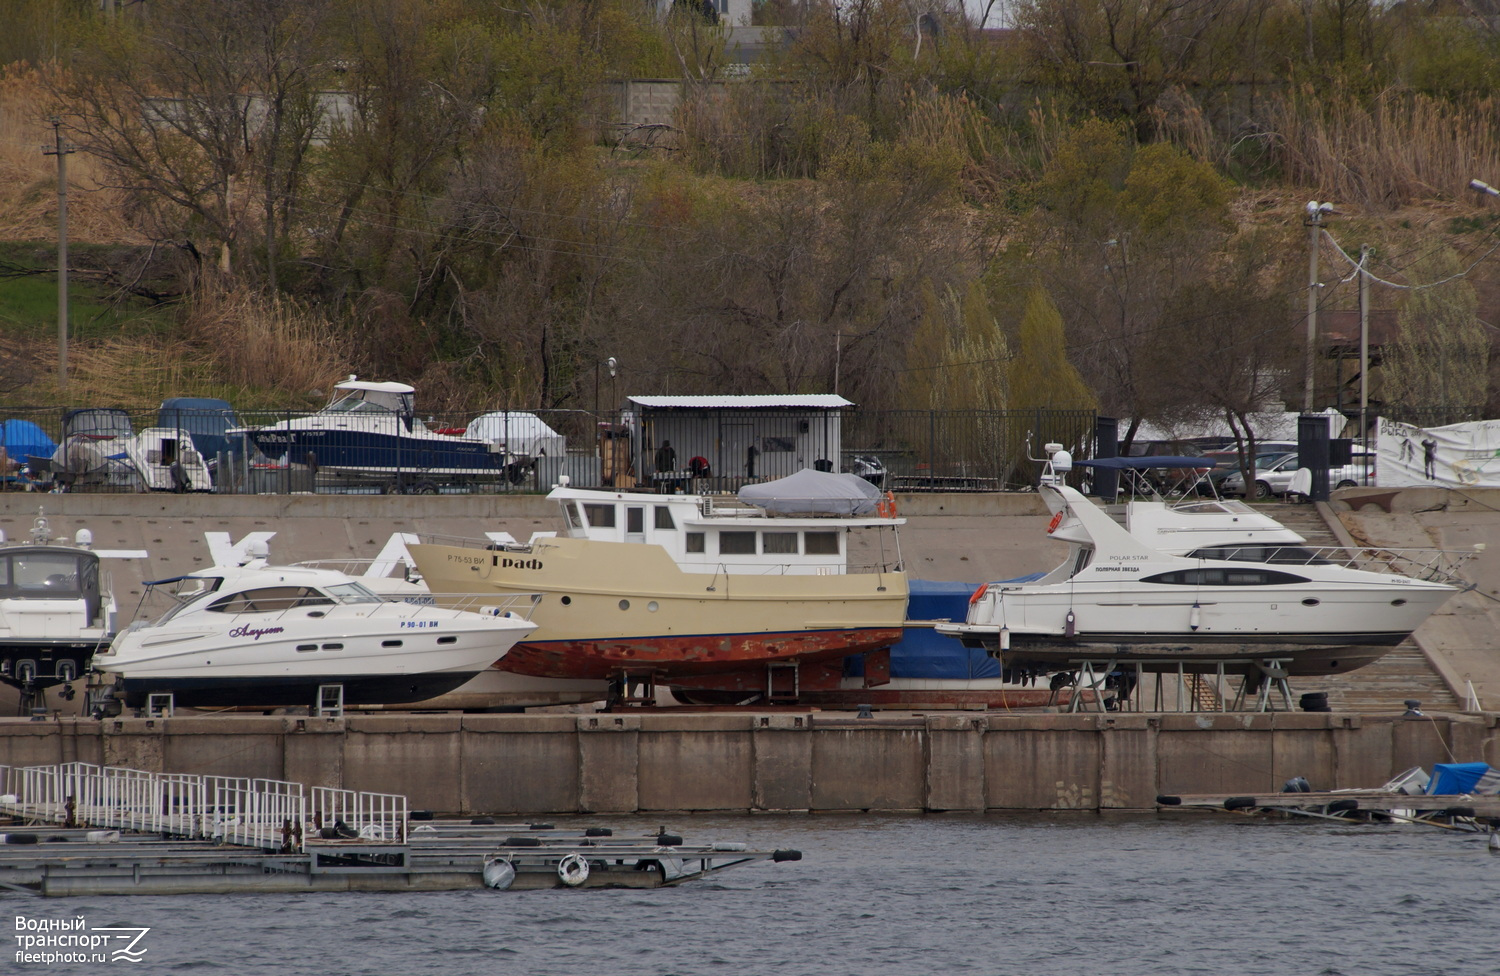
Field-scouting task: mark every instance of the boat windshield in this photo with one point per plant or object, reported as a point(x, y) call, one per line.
point(372, 401)
point(187, 590)
point(352, 593)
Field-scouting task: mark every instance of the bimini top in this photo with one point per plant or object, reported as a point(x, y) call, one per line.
point(1140, 462)
point(356, 384)
point(818, 401)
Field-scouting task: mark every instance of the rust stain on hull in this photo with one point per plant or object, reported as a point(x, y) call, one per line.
point(704, 654)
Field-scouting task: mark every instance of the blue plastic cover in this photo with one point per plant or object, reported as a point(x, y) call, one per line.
point(22, 438)
point(923, 652)
point(1449, 779)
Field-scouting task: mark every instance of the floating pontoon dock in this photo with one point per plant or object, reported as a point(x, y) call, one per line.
point(80, 829)
point(1461, 812)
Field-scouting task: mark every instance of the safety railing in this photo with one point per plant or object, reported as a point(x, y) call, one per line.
point(262, 813)
point(346, 814)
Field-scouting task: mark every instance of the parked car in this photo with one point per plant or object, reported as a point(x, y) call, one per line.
point(1276, 477)
point(1228, 462)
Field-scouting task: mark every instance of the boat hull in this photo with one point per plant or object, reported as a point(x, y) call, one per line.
point(388, 653)
point(609, 607)
point(378, 453)
point(359, 689)
point(1299, 654)
point(47, 662)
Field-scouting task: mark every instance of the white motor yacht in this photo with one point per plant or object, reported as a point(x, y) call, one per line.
point(1228, 604)
point(264, 635)
point(56, 609)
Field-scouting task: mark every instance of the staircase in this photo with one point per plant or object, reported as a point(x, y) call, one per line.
point(1380, 687)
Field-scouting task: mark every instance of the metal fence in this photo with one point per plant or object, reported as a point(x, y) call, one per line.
point(263, 813)
point(218, 450)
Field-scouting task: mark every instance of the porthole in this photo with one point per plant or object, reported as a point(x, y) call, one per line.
point(1310, 602)
point(447, 640)
point(1398, 603)
point(624, 604)
point(565, 601)
point(653, 606)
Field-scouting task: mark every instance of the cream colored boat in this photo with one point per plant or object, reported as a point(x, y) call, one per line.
point(693, 590)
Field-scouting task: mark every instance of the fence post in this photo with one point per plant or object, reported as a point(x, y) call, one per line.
point(931, 446)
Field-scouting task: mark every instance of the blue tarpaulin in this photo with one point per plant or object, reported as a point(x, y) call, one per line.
point(22, 438)
point(1450, 779)
point(923, 652)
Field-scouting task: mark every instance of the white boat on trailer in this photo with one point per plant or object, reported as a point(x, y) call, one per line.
point(263, 635)
point(370, 432)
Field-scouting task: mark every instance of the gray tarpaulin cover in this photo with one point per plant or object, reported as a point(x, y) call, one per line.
point(810, 492)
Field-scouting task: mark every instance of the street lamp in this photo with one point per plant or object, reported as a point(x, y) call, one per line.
point(612, 364)
point(1483, 187)
point(1315, 212)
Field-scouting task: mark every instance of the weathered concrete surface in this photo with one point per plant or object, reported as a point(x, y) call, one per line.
point(1460, 639)
point(541, 764)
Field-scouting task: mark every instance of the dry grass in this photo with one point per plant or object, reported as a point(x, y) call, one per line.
point(274, 345)
point(1399, 148)
point(28, 179)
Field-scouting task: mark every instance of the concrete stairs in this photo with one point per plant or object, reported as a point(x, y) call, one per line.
point(1380, 687)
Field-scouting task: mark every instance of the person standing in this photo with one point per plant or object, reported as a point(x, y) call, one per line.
point(1429, 459)
point(666, 458)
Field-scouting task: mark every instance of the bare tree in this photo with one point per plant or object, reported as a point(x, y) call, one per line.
point(201, 108)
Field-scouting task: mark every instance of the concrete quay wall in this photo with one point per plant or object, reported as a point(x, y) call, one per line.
point(772, 762)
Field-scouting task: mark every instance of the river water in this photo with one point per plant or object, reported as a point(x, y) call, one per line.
point(1178, 893)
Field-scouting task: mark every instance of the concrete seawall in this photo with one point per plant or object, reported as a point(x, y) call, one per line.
point(772, 762)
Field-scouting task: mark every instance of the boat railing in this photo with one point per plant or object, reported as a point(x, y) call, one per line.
point(1430, 565)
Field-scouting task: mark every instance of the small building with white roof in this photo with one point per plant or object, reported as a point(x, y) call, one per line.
point(734, 438)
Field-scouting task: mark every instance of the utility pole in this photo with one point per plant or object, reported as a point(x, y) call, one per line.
point(61, 150)
point(1364, 346)
point(1315, 212)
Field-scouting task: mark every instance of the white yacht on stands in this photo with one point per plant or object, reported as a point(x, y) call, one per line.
point(1117, 598)
point(264, 635)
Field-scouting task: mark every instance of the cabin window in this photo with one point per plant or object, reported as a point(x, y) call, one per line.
point(1224, 577)
point(269, 598)
point(574, 516)
point(736, 543)
point(821, 543)
point(779, 543)
point(664, 517)
point(635, 519)
point(1286, 555)
point(44, 575)
point(695, 542)
point(600, 516)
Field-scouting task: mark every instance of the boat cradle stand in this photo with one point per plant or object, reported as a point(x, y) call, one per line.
point(1191, 691)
